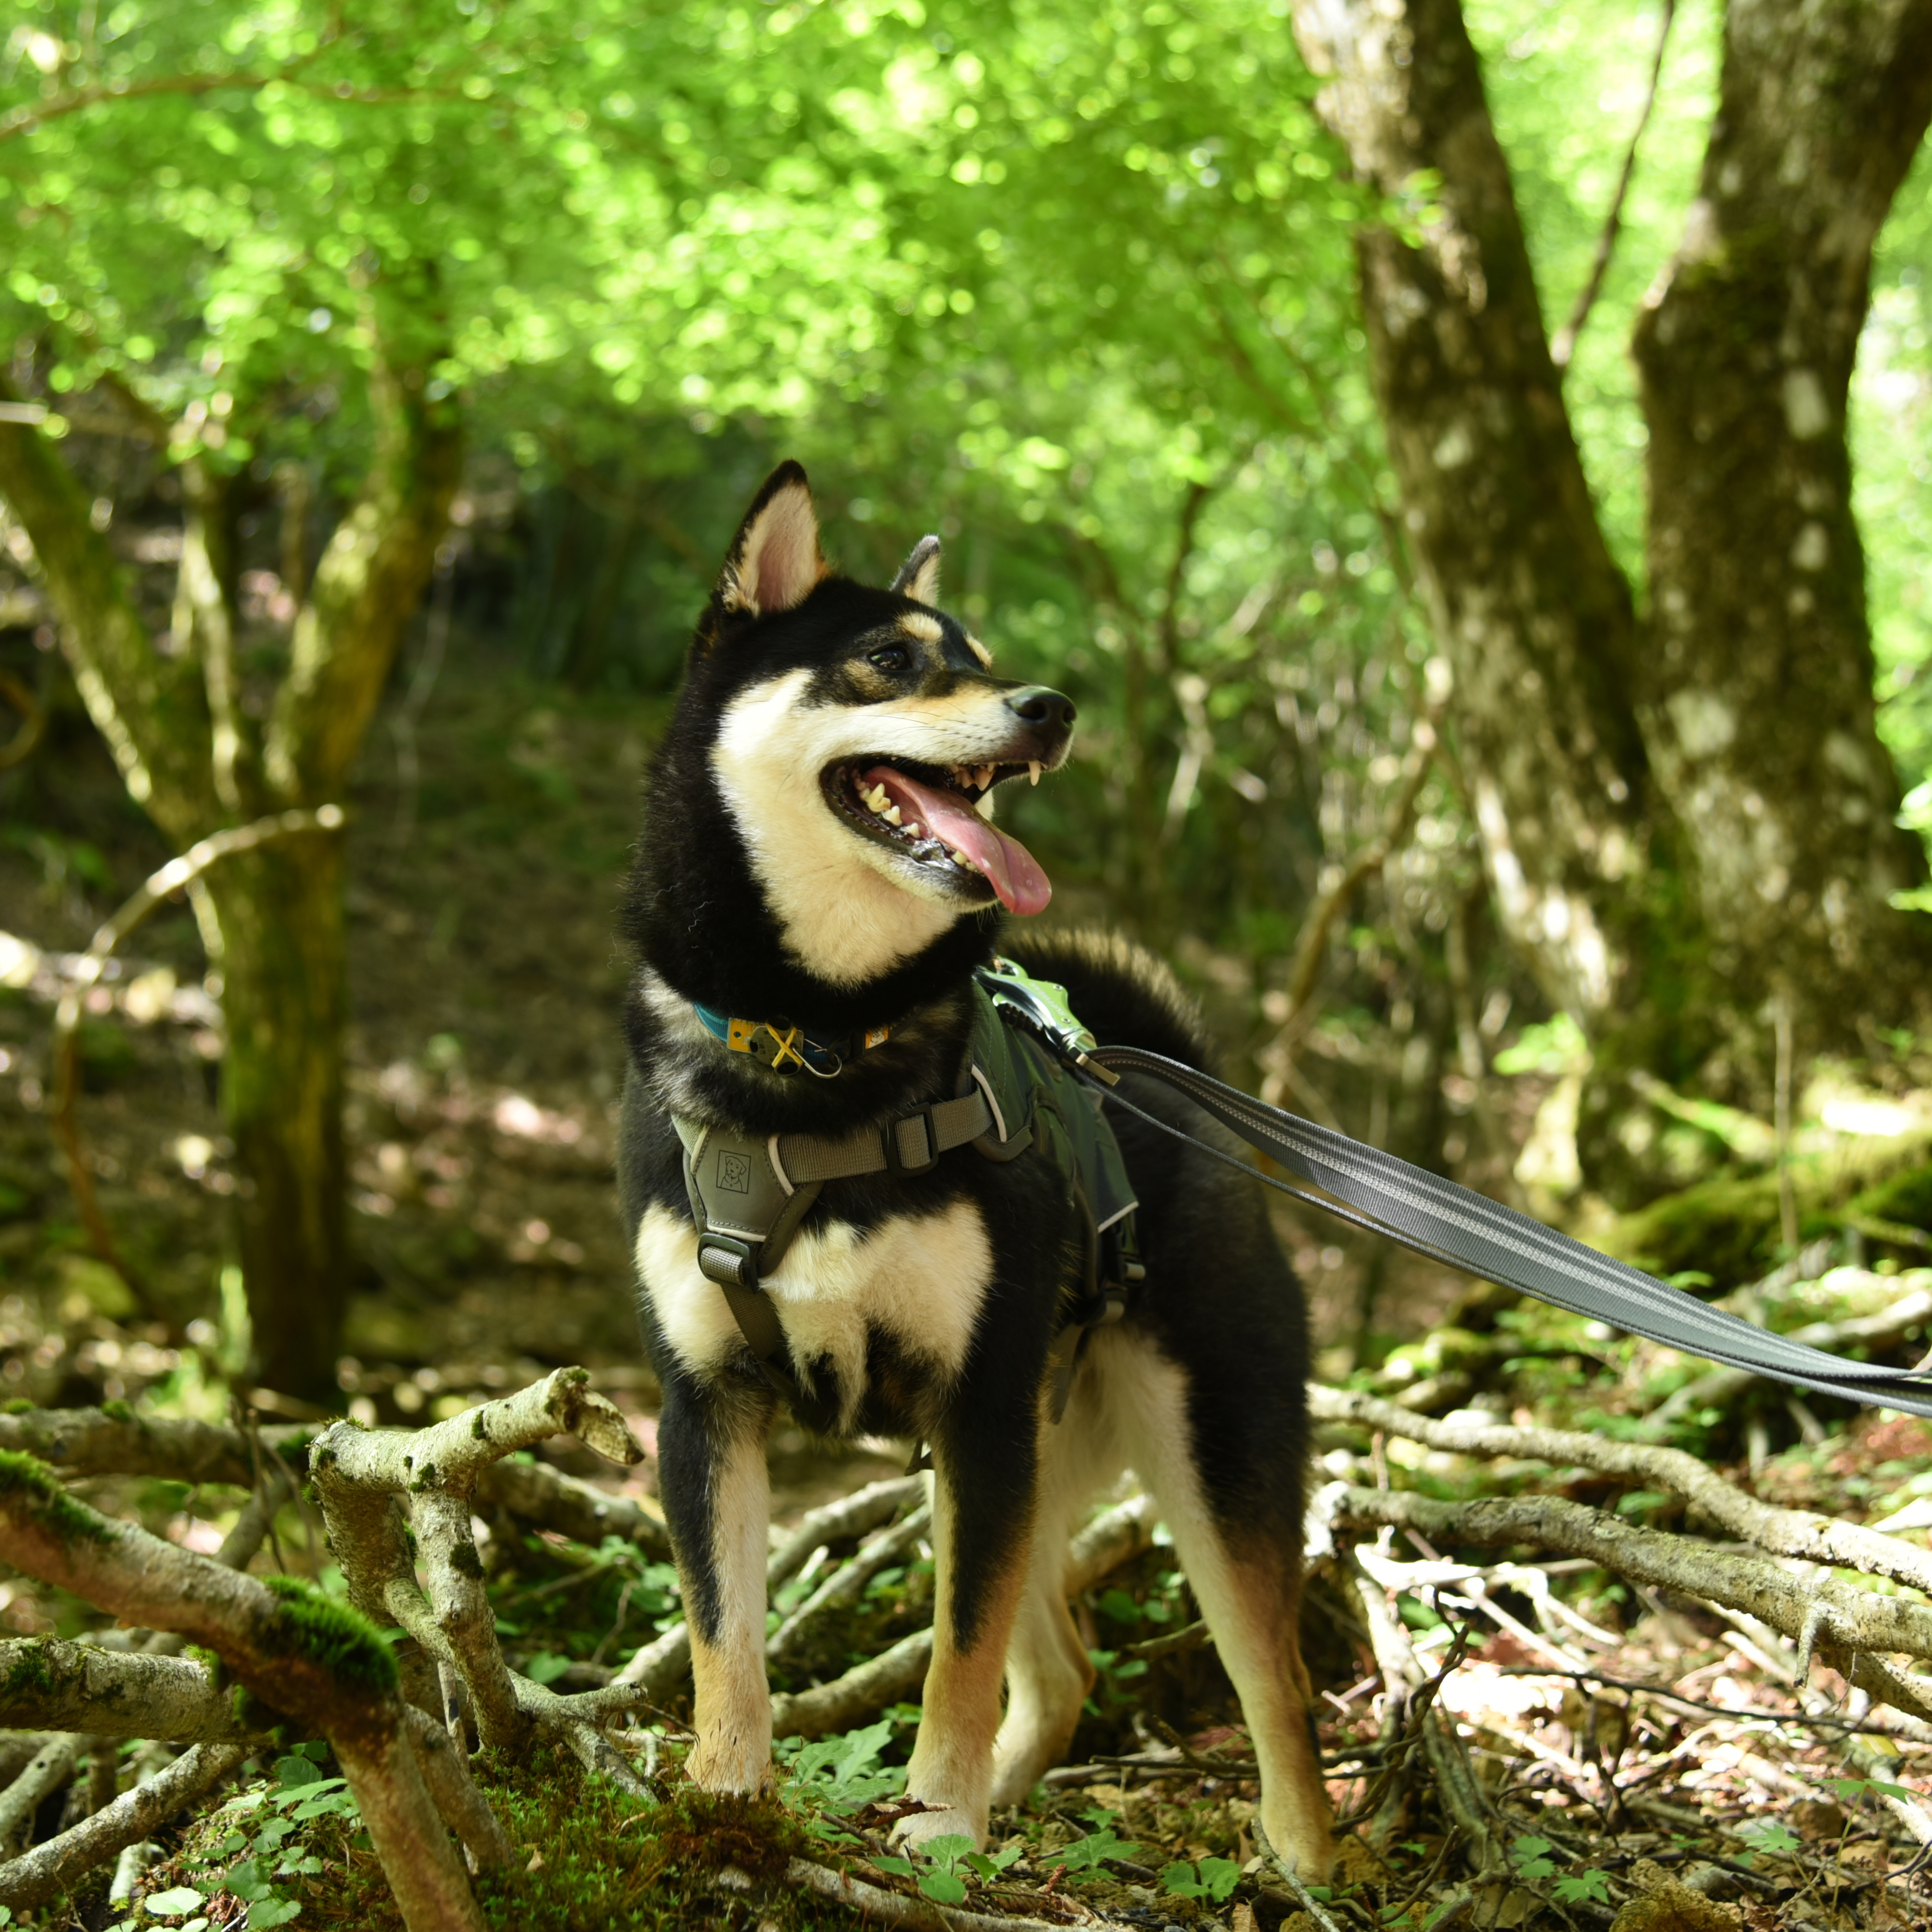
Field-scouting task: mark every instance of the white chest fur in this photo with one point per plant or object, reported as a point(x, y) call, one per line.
point(921, 1278)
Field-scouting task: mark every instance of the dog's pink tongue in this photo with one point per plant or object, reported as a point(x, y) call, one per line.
point(1011, 870)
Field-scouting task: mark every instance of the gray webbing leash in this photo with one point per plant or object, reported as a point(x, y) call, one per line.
point(1449, 1223)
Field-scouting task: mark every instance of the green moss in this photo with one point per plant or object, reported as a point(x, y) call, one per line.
point(29, 1671)
point(118, 1411)
point(28, 1485)
point(333, 1634)
point(18, 1405)
point(465, 1561)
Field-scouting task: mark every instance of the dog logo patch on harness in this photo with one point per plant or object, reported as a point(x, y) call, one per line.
point(734, 1173)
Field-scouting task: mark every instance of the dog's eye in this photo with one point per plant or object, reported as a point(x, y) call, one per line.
point(890, 657)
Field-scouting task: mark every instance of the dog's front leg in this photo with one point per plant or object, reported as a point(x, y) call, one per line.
point(982, 1523)
point(717, 1501)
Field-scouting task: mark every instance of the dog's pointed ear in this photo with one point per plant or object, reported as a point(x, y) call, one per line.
point(918, 575)
point(774, 560)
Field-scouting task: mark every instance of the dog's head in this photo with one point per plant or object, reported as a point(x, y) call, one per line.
point(855, 738)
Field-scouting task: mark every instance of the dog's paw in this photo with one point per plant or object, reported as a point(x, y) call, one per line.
point(917, 1829)
point(729, 1765)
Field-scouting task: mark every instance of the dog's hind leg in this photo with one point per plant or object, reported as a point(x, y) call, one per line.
point(717, 1498)
point(1246, 1574)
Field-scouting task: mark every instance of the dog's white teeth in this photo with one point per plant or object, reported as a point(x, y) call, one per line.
point(1032, 771)
point(984, 776)
point(914, 829)
point(983, 804)
point(890, 813)
point(964, 864)
point(876, 798)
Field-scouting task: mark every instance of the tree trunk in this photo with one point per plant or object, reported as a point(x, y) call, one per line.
point(191, 758)
point(1671, 835)
point(1756, 697)
point(284, 996)
point(1527, 605)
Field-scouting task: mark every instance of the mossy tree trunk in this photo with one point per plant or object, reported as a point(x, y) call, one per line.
point(1608, 872)
point(190, 755)
point(1756, 693)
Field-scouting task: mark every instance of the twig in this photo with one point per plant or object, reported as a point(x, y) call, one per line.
point(1190, 1636)
point(1851, 1624)
point(33, 721)
point(63, 1118)
point(846, 1583)
point(1287, 1874)
point(1784, 1532)
point(1719, 1388)
point(851, 1516)
point(1311, 943)
point(893, 1908)
point(1563, 344)
point(52, 1867)
point(1813, 1720)
point(363, 1476)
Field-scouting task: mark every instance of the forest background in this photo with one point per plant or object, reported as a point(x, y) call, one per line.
point(1491, 570)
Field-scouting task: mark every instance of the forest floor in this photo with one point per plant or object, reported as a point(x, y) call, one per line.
point(1632, 1755)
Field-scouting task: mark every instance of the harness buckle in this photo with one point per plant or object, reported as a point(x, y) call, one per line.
point(896, 1166)
point(729, 1262)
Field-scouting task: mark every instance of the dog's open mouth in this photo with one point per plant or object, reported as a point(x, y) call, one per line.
point(933, 814)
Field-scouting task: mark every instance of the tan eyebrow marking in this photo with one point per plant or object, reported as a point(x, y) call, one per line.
point(916, 625)
point(979, 651)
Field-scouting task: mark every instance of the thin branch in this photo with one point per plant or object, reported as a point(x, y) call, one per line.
point(63, 1117)
point(1311, 943)
point(1851, 1629)
point(844, 1584)
point(53, 1867)
point(33, 718)
point(81, 1688)
point(1563, 344)
point(876, 1905)
point(1780, 1532)
point(851, 1516)
point(297, 1653)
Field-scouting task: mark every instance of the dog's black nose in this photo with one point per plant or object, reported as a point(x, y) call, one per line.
point(1039, 704)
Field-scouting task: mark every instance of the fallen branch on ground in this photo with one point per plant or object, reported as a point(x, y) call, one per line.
point(379, 1487)
point(1113, 1537)
point(1843, 1625)
point(1784, 1532)
point(293, 1649)
point(50, 1868)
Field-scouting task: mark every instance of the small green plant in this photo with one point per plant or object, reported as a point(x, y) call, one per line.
point(835, 1777)
point(1214, 1878)
point(1088, 1854)
point(1532, 1859)
point(1766, 1834)
point(1578, 1887)
point(257, 1850)
point(941, 1882)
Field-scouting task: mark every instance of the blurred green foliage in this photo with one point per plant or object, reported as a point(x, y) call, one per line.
point(1074, 286)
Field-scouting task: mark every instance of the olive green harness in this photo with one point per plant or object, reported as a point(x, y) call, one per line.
point(749, 1196)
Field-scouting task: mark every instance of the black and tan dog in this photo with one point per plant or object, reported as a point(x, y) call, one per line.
point(818, 854)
